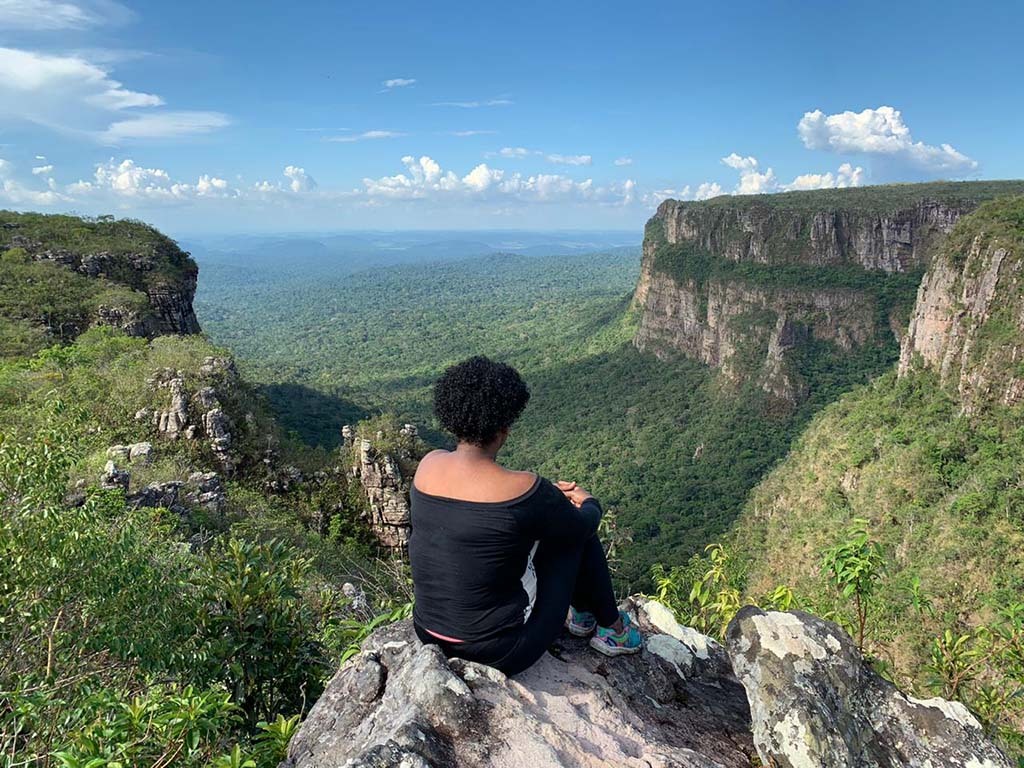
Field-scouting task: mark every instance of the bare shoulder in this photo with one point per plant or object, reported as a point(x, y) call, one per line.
point(520, 480)
point(432, 461)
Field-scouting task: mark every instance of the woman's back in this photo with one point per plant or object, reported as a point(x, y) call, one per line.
point(471, 559)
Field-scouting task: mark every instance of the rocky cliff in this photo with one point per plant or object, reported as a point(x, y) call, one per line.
point(749, 284)
point(135, 278)
point(788, 689)
point(968, 323)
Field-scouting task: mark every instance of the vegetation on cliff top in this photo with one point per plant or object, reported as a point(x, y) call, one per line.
point(123, 239)
point(43, 301)
point(877, 199)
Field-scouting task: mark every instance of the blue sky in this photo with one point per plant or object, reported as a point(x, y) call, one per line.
point(267, 116)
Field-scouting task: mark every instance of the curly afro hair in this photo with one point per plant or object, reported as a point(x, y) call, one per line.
point(478, 398)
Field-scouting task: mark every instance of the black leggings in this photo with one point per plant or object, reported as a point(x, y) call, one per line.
point(577, 575)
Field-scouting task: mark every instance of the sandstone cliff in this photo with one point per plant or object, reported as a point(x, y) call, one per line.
point(968, 323)
point(747, 284)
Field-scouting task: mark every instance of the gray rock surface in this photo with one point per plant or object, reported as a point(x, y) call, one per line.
point(398, 703)
point(815, 703)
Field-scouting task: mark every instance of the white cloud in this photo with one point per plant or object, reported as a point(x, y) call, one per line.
point(15, 193)
point(128, 181)
point(516, 152)
point(75, 96)
point(472, 132)
point(366, 136)
point(707, 190)
point(425, 179)
point(42, 170)
point(752, 181)
point(300, 181)
point(164, 125)
point(399, 82)
point(623, 161)
point(49, 15)
point(880, 132)
point(846, 176)
point(500, 102)
point(569, 159)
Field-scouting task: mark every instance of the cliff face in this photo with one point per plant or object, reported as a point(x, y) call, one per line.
point(968, 323)
point(746, 284)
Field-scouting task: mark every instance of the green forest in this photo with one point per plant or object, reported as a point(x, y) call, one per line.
point(660, 441)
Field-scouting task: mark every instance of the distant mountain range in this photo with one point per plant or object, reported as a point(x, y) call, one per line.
point(370, 249)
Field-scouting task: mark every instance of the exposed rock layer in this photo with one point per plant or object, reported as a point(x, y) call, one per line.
point(968, 323)
point(385, 484)
point(754, 331)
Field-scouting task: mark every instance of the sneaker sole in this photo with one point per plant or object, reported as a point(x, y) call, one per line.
point(609, 650)
point(578, 631)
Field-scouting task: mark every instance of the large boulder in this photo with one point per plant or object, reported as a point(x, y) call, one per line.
point(814, 702)
point(400, 703)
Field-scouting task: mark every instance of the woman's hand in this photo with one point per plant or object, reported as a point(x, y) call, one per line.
point(573, 492)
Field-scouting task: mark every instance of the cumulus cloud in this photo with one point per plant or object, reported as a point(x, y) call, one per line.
point(623, 161)
point(366, 136)
point(707, 190)
point(880, 132)
point(299, 180)
point(846, 176)
point(399, 82)
point(752, 181)
point(424, 178)
point(13, 192)
point(76, 96)
point(50, 15)
point(42, 170)
point(516, 152)
point(128, 181)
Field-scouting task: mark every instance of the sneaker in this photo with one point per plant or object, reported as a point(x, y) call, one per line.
point(612, 643)
point(580, 623)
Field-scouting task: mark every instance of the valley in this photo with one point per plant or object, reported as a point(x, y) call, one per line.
point(811, 385)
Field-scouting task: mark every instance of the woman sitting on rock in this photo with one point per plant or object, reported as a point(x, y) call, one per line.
point(502, 559)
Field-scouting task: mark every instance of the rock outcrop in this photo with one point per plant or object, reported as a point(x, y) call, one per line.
point(399, 703)
point(815, 702)
point(714, 286)
point(200, 414)
point(384, 482)
point(968, 323)
point(677, 704)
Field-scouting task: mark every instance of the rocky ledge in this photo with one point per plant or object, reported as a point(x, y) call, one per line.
point(682, 702)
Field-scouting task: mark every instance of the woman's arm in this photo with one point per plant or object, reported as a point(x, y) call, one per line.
point(567, 514)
